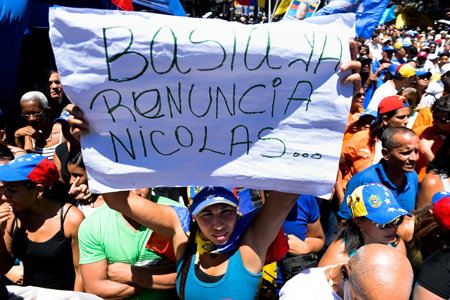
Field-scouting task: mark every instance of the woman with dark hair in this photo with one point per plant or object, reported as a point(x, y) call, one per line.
point(376, 218)
point(37, 229)
point(437, 178)
point(364, 148)
point(86, 202)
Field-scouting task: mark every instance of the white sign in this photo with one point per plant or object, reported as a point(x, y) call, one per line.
point(177, 101)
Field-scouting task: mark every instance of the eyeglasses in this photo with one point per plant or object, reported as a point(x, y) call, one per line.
point(424, 77)
point(396, 222)
point(35, 114)
point(441, 120)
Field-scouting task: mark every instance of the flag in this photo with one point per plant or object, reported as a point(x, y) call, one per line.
point(247, 2)
point(368, 13)
point(123, 4)
point(282, 7)
point(388, 15)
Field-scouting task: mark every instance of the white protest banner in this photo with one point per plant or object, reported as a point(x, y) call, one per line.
point(179, 101)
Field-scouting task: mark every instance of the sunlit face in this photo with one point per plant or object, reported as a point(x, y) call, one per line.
point(442, 60)
point(399, 119)
point(422, 81)
point(77, 172)
point(358, 100)
point(217, 222)
point(371, 234)
point(18, 196)
point(54, 88)
point(36, 115)
point(406, 153)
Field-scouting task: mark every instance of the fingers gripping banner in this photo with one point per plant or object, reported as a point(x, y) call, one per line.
point(179, 101)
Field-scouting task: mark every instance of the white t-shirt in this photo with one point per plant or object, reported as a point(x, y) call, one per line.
point(310, 285)
point(382, 92)
point(436, 88)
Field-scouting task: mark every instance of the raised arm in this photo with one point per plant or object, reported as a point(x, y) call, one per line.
point(160, 218)
point(264, 228)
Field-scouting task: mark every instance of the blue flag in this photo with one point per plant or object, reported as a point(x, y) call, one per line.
point(368, 13)
point(388, 15)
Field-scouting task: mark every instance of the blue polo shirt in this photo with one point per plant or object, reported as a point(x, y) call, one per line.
point(405, 196)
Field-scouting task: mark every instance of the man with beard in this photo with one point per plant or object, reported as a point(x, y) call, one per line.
point(432, 137)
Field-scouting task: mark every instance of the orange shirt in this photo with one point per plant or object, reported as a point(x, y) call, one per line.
point(349, 132)
point(424, 118)
point(428, 133)
point(358, 153)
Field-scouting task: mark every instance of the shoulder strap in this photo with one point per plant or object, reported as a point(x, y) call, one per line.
point(64, 217)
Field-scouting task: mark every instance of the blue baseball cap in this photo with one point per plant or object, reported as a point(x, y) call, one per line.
point(210, 196)
point(389, 48)
point(422, 71)
point(439, 195)
point(369, 112)
point(34, 167)
point(393, 69)
point(375, 202)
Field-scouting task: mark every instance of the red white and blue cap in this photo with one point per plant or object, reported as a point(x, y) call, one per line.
point(210, 196)
point(441, 209)
point(34, 167)
point(375, 202)
point(63, 117)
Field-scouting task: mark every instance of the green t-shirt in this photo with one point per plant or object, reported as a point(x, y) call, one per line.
point(105, 235)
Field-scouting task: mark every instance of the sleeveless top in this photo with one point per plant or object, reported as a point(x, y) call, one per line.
point(48, 264)
point(351, 253)
point(63, 154)
point(445, 182)
point(237, 283)
point(48, 151)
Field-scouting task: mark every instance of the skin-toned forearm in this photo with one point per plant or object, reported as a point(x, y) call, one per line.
point(308, 246)
point(111, 290)
point(78, 287)
point(163, 278)
point(159, 278)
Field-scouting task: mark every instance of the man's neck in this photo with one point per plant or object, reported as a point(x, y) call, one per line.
point(399, 84)
point(399, 57)
point(396, 176)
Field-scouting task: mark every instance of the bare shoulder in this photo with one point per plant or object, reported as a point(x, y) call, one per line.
point(73, 219)
point(432, 180)
point(335, 254)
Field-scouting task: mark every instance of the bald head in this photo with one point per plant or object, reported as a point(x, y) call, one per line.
point(378, 270)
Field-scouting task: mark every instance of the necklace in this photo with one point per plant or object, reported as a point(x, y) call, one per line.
point(330, 282)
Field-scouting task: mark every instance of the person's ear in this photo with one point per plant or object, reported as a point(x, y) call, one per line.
point(39, 191)
point(357, 221)
point(2, 136)
point(384, 119)
point(345, 272)
point(385, 153)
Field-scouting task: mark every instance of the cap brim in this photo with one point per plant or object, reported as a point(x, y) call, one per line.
point(9, 174)
point(204, 204)
point(388, 215)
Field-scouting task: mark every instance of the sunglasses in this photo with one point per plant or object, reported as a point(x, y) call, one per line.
point(396, 222)
point(34, 114)
point(424, 77)
point(441, 120)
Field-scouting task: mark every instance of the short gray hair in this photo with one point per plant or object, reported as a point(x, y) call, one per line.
point(387, 139)
point(35, 96)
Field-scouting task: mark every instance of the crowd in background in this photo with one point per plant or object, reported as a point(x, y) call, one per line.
point(388, 217)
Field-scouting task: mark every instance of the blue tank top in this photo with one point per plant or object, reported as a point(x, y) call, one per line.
point(237, 283)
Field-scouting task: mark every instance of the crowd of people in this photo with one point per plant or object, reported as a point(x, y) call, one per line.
point(384, 231)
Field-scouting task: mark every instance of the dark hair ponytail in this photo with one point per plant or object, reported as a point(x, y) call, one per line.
point(191, 249)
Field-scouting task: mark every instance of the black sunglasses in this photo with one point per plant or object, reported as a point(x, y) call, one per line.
point(441, 120)
point(397, 221)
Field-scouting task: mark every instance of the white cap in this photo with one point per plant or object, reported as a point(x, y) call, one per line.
point(387, 39)
point(432, 56)
point(445, 68)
